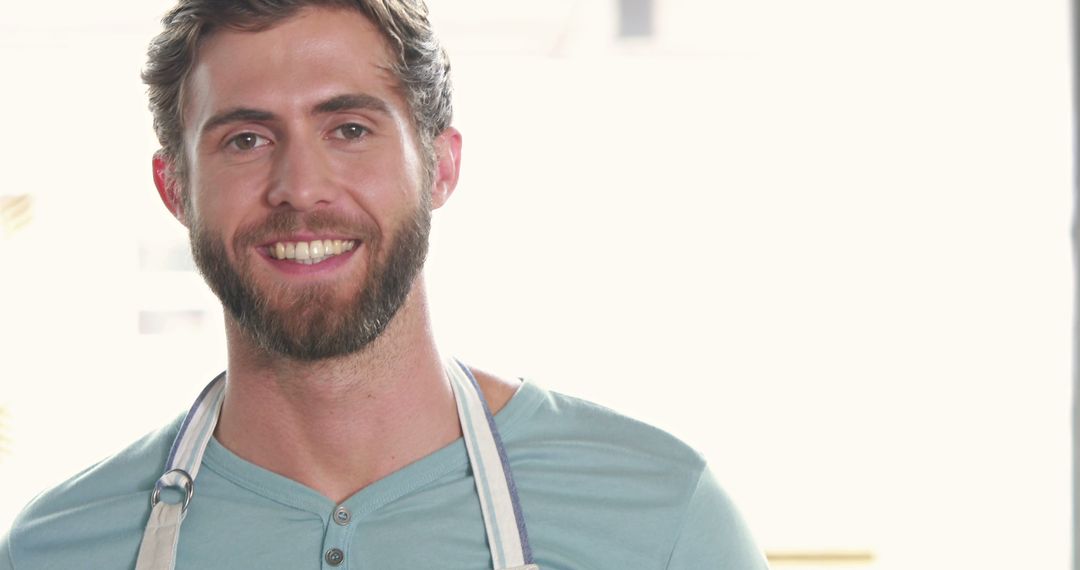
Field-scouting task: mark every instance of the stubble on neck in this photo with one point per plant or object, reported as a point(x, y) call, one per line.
point(338, 424)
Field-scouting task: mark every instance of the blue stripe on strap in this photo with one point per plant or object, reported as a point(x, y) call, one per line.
point(484, 487)
point(187, 421)
point(526, 549)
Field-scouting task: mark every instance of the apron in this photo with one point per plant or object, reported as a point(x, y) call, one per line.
point(503, 521)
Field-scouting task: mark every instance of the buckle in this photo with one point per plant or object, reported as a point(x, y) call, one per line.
point(174, 479)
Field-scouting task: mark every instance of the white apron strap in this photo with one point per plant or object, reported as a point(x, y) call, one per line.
point(507, 537)
point(162, 535)
point(158, 548)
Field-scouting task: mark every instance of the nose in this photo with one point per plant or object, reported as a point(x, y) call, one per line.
point(301, 177)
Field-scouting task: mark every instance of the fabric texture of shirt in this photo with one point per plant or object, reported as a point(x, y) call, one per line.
point(598, 491)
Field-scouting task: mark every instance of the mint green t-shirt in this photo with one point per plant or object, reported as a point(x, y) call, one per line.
point(598, 491)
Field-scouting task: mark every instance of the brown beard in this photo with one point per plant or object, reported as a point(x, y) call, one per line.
point(307, 326)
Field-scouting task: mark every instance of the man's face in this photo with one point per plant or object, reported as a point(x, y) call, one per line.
point(309, 209)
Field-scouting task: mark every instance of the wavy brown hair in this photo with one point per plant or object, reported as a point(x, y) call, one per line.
point(421, 65)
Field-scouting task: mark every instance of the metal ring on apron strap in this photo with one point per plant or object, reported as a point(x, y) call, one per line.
point(185, 484)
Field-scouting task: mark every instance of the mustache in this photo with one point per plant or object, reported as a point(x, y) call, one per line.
point(286, 222)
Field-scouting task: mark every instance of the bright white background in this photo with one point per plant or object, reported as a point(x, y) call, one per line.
point(827, 243)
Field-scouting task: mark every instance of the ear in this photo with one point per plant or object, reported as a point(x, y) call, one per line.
point(447, 166)
point(167, 187)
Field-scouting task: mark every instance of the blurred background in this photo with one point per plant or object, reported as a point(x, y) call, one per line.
point(827, 243)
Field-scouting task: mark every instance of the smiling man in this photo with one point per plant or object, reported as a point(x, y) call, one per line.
point(305, 146)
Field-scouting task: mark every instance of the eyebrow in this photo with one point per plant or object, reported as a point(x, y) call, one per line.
point(238, 115)
point(347, 102)
point(352, 101)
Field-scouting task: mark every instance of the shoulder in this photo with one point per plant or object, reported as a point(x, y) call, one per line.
point(596, 430)
point(714, 533)
point(105, 506)
point(131, 470)
point(594, 480)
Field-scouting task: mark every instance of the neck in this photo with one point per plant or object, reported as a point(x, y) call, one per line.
point(337, 425)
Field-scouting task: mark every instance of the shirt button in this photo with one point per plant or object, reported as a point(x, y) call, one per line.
point(335, 556)
point(342, 516)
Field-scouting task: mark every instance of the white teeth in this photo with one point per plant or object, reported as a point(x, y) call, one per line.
point(310, 252)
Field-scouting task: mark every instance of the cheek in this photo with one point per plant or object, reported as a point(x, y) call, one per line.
point(227, 189)
point(380, 183)
point(219, 204)
point(415, 162)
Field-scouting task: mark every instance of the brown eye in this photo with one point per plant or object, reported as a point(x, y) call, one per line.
point(247, 141)
point(351, 131)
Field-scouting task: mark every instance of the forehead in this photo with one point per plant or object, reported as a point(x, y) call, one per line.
point(314, 55)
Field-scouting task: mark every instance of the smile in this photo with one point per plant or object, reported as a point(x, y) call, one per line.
point(311, 252)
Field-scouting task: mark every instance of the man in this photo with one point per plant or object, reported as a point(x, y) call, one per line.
point(304, 145)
